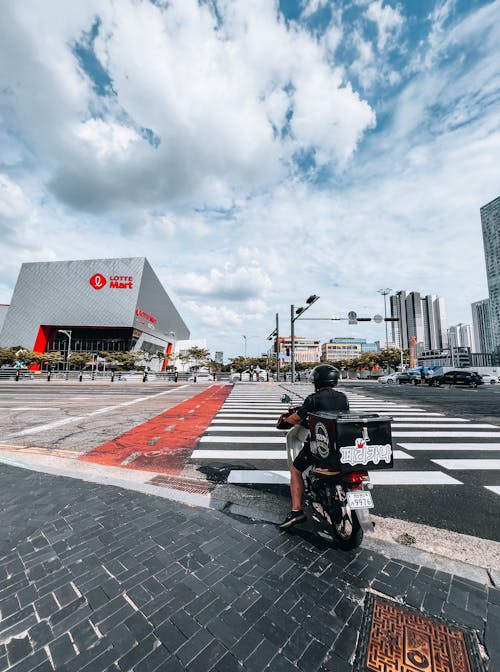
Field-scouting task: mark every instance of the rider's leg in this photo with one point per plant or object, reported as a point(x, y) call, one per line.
point(296, 488)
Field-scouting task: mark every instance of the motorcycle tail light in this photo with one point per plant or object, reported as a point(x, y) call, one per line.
point(357, 477)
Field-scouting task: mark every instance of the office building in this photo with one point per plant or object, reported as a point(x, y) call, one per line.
point(421, 317)
point(481, 322)
point(306, 349)
point(345, 348)
point(490, 222)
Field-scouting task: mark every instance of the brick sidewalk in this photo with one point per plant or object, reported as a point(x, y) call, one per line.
point(96, 578)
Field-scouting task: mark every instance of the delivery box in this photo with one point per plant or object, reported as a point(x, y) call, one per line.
point(351, 442)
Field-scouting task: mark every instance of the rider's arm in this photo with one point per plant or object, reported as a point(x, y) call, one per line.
point(294, 419)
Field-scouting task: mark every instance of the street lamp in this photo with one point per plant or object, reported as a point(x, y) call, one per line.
point(67, 332)
point(245, 340)
point(294, 315)
point(385, 292)
point(276, 335)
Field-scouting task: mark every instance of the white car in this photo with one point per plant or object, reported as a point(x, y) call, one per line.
point(389, 379)
point(490, 378)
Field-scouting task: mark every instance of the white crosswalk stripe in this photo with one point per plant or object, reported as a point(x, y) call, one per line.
point(243, 432)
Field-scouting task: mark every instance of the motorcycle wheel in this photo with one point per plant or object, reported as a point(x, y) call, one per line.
point(347, 533)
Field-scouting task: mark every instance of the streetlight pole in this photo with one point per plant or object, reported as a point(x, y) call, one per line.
point(245, 340)
point(276, 336)
point(277, 348)
point(385, 292)
point(294, 315)
point(67, 332)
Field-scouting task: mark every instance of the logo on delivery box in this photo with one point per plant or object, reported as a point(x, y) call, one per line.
point(98, 281)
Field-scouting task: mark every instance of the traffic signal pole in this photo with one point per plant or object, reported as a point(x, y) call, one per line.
point(292, 336)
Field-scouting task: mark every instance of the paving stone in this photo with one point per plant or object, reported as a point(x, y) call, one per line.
point(259, 659)
point(229, 664)
point(61, 651)
point(193, 646)
point(170, 636)
point(18, 648)
point(40, 634)
point(313, 656)
point(208, 658)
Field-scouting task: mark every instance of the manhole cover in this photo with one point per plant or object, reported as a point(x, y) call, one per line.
point(198, 487)
point(399, 639)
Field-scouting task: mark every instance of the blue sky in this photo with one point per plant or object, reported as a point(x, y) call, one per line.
point(256, 152)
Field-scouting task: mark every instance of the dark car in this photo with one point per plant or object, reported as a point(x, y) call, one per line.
point(412, 377)
point(457, 378)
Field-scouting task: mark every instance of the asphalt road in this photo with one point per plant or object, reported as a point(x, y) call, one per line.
point(72, 419)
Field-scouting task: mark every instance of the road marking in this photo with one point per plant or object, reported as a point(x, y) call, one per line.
point(493, 488)
point(253, 428)
point(376, 477)
point(77, 418)
point(465, 465)
point(243, 439)
point(261, 421)
point(444, 435)
point(441, 425)
point(262, 455)
point(31, 408)
point(450, 446)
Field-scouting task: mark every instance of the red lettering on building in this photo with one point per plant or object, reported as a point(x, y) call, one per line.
point(98, 281)
point(149, 318)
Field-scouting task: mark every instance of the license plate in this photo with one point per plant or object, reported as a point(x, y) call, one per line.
point(360, 500)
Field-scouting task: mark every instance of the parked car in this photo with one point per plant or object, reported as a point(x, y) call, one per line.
point(388, 379)
point(490, 378)
point(469, 378)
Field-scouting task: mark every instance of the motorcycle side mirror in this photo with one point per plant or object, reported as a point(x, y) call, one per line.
point(286, 399)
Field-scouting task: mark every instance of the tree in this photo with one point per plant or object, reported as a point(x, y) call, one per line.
point(8, 356)
point(79, 360)
point(200, 356)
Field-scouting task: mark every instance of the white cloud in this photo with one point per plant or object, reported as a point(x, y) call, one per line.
point(233, 282)
point(212, 95)
point(17, 217)
point(220, 318)
point(389, 21)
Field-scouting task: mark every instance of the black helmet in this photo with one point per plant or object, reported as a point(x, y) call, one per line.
point(324, 375)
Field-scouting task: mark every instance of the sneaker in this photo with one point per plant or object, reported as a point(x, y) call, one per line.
point(293, 518)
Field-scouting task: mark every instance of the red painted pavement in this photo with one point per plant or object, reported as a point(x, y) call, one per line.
point(163, 443)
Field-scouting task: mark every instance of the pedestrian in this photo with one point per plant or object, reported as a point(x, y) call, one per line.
point(324, 378)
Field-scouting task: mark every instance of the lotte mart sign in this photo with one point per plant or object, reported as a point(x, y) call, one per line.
point(98, 281)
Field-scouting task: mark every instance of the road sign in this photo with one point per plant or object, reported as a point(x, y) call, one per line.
point(352, 317)
point(378, 319)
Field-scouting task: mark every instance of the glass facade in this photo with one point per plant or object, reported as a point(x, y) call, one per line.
point(490, 222)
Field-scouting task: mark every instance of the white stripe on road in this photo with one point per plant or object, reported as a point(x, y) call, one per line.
point(465, 465)
point(77, 418)
point(444, 435)
point(493, 488)
point(243, 439)
point(376, 477)
point(253, 428)
point(429, 425)
point(32, 408)
point(450, 446)
point(261, 455)
point(262, 421)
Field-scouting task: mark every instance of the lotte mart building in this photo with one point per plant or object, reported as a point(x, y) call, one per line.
point(111, 305)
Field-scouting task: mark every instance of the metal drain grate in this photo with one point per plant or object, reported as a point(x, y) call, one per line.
point(398, 639)
point(192, 485)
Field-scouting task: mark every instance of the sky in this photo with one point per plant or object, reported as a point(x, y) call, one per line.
point(255, 151)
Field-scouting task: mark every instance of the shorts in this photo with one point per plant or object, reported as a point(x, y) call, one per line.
point(305, 458)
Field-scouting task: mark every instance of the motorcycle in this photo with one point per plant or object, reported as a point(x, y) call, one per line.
point(339, 501)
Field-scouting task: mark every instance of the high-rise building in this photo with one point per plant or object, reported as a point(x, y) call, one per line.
point(490, 222)
point(481, 321)
point(421, 317)
point(461, 336)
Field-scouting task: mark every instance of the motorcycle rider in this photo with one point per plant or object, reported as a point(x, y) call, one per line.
point(324, 378)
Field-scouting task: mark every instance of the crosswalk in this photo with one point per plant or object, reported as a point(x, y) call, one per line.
point(430, 447)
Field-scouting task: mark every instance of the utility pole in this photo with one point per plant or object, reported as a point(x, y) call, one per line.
point(277, 348)
point(385, 292)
